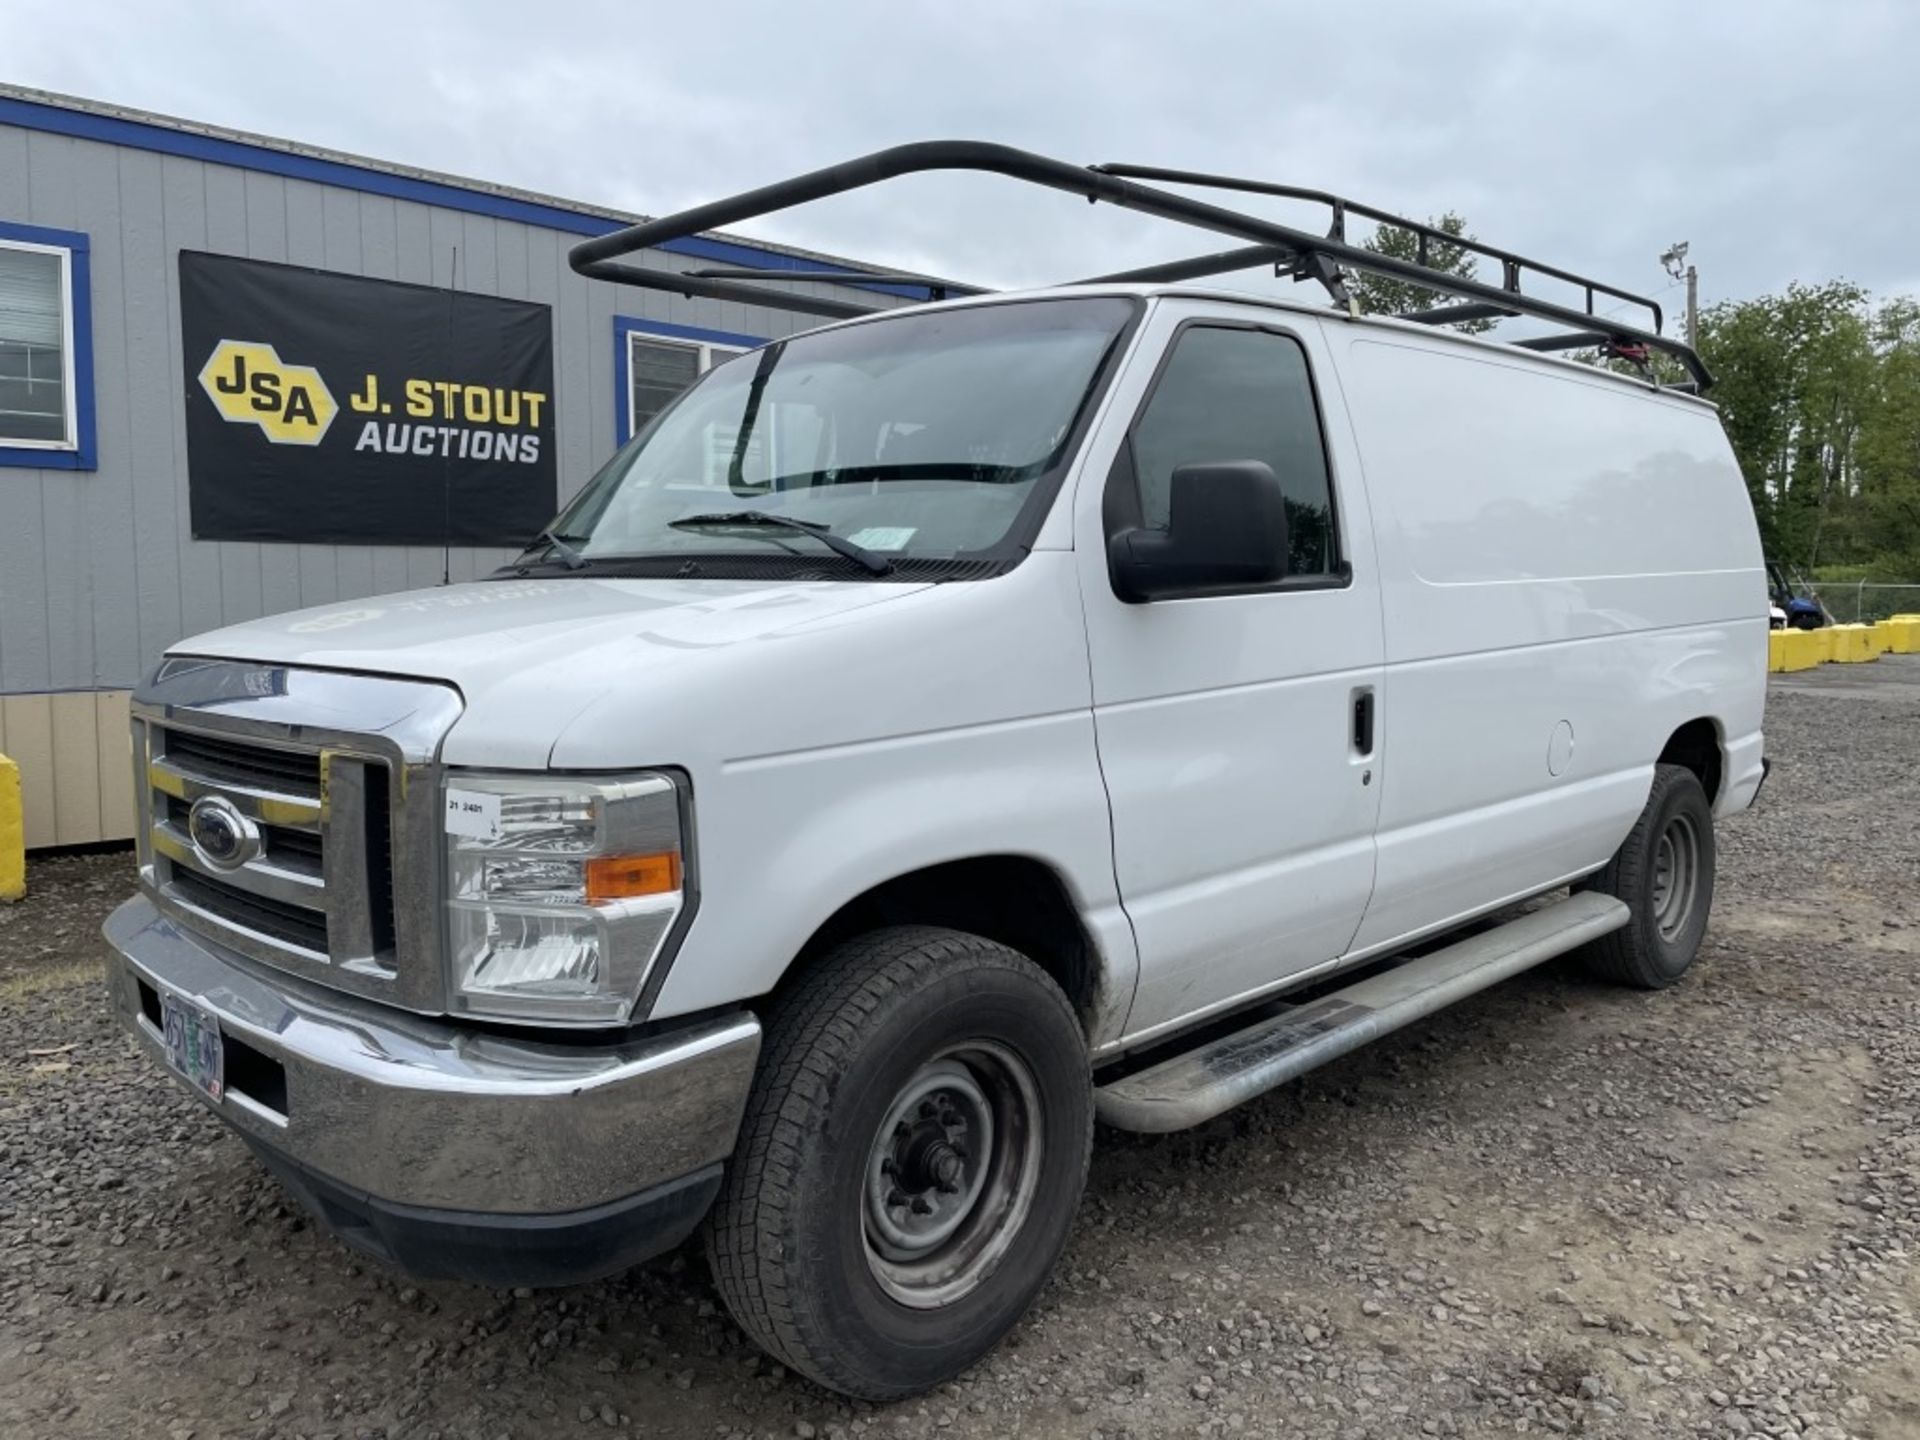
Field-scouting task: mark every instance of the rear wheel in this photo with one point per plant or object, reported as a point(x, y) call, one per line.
point(1664, 872)
point(909, 1163)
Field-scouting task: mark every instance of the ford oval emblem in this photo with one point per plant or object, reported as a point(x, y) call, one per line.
point(221, 835)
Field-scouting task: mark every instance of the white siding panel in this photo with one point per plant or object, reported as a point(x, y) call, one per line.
point(60, 649)
point(510, 262)
point(102, 559)
point(479, 255)
point(13, 174)
point(192, 191)
point(306, 223)
point(149, 459)
point(25, 660)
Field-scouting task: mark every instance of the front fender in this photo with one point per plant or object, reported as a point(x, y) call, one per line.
point(845, 751)
point(784, 842)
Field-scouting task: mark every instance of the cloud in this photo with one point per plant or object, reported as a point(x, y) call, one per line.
point(1776, 137)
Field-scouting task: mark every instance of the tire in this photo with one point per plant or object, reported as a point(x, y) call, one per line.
point(878, 1074)
point(1664, 872)
point(1806, 622)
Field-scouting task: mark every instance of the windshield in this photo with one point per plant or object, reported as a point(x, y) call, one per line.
point(918, 438)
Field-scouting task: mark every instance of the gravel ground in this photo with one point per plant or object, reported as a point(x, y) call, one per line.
point(1555, 1207)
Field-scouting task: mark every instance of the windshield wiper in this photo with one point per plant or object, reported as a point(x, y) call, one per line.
point(966, 472)
point(555, 545)
point(875, 564)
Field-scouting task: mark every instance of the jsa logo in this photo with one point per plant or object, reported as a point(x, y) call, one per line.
point(249, 383)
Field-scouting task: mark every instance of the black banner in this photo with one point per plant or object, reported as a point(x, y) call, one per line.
point(336, 409)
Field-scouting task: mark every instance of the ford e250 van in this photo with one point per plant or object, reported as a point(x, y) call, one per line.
point(937, 732)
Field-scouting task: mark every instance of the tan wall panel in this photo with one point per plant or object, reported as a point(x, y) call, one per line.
point(116, 765)
point(30, 744)
point(76, 782)
point(76, 769)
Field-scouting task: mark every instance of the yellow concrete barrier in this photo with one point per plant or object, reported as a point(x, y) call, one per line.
point(1852, 643)
point(1903, 634)
point(13, 834)
point(1789, 650)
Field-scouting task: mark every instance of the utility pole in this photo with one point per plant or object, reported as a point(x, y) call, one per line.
point(1675, 254)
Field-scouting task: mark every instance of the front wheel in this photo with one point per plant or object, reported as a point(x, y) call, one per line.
point(1664, 872)
point(909, 1163)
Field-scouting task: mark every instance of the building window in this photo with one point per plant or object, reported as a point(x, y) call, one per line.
point(661, 369)
point(654, 362)
point(46, 380)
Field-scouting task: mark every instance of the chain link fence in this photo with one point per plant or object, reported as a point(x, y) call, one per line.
point(1866, 600)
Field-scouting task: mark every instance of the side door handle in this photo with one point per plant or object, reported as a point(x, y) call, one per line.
point(1363, 705)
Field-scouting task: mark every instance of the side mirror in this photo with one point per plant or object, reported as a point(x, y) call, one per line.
point(1226, 530)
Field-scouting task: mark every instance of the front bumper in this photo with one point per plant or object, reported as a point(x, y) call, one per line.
point(449, 1150)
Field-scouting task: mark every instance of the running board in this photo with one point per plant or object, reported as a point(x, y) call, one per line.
point(1196, 1086)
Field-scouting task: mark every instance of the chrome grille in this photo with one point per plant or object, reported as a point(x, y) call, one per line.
point(319, 886)
point(222, 761)
point(299, 926)
point(281, 894)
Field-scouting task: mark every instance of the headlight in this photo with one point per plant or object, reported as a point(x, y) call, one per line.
point(561, 892)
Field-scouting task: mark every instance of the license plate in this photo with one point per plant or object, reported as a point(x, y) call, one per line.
point(193, 1045)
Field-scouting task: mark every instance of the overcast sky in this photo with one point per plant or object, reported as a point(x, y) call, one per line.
point(1781, 139)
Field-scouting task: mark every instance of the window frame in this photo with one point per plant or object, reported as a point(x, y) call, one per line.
point(76, 449)
point(711, 345)
point(1120, 502)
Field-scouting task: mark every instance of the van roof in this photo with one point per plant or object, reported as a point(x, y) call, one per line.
point(1218, 294)
point(1298, 254)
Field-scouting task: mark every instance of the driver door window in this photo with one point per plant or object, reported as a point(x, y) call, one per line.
point(1236, 393)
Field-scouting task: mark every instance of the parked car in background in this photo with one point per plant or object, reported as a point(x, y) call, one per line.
point(1797, 604)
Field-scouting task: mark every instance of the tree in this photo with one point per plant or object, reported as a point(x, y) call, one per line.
point(1888, 448)
point(1382, 295)
point(1795, 375)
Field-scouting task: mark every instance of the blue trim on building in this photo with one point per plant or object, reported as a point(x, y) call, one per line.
point(80, 279)
point(625, 325)
point(217, 150)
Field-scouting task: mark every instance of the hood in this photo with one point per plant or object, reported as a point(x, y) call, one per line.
point(549, 647)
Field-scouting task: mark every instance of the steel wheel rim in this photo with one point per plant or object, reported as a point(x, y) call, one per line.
point(951, 1175)
point(1676, 876)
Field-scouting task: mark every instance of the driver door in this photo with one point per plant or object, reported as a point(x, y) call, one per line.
point(1239, 734)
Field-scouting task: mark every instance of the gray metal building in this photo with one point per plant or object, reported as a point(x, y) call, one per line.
point(99, 568)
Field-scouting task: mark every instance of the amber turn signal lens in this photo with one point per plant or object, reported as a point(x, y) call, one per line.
point(628, 877)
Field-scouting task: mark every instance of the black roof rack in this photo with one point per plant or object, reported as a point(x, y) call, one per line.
point(1299, 254)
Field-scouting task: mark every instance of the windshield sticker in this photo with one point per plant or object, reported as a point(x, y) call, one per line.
point(884, 537)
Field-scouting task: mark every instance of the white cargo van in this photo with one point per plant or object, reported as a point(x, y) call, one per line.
point(938, 731)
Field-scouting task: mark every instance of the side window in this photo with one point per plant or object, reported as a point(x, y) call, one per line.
point(46, 351)
point(658, 370)
point(1233, 394)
